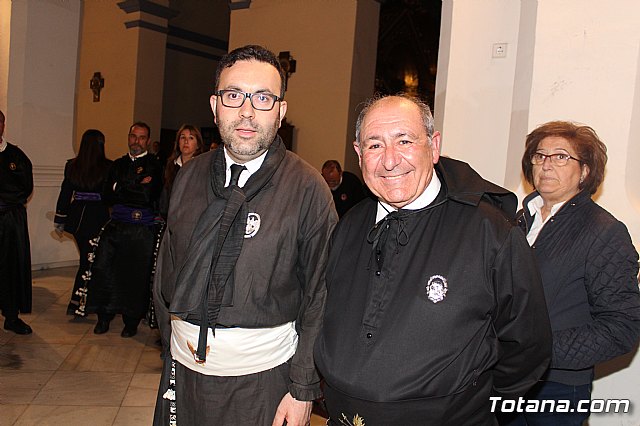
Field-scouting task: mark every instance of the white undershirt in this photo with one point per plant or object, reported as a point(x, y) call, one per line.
point(430, 193)
point(535, 210)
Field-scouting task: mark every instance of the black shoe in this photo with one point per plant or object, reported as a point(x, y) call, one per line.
point(101, 327)
point(129, 331)
point(17, 326)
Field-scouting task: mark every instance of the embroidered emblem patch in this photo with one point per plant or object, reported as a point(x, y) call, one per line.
point(253, 225)
point(139, 170)
point(12, 166)
point(437, 288)
point(343, 197)
point(136, 215)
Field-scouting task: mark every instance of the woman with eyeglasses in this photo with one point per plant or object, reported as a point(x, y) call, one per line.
point(587, 262)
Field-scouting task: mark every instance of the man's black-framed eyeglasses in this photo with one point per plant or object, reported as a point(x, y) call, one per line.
point(559, 159)
point(260, 101)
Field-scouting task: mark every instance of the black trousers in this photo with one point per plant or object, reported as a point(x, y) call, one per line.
point(15, 262)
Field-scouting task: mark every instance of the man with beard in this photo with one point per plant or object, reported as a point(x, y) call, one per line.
point(16, 184)
point(240, 290)
point(434, 300)
point(121, 271)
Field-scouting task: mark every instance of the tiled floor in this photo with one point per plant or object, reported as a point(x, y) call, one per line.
point(63, 374)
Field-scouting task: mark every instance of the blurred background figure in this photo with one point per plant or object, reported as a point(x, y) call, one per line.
point(587, 262)
point(80, 210)
point(346, 188)
point(16, 185)
point(189, 144)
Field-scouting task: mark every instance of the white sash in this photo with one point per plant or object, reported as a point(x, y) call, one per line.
point(233, 351)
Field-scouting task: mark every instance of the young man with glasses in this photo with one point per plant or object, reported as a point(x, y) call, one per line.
point(240, 290)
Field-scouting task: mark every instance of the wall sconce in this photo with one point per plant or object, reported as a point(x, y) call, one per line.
point(288, 64)
point(96, 84)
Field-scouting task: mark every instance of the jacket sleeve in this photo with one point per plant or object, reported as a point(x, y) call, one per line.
point(319, 221)
point(64, 198)
point(522, 322)
point(614, 304)
point(162, 292)
point(16, 183)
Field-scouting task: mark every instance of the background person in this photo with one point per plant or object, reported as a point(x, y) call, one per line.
point(346, 188)
point(80, 210)
point(434, 302)
point(188, 144)
point(588, 263)
point(16, 184)
point(121, 271)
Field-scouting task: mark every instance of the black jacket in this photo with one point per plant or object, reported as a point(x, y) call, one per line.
point(589, 270)
point(279, 274)
point(391, 350)
point(80, 217)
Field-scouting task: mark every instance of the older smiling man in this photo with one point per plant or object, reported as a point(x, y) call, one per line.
point(434, 301)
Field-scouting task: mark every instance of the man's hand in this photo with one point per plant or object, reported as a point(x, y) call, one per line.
point(296, 413)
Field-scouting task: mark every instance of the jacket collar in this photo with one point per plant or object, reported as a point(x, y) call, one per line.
point(464, 185)
point(581, 198)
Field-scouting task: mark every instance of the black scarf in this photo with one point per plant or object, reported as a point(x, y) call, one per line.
point(216, 243)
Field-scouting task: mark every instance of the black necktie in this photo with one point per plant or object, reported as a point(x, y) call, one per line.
point(236, 169)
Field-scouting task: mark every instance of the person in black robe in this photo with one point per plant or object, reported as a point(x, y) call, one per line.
point(122, 267)
point(434, 301)
point(80, 210)
point(16, 184)
point(346, 188)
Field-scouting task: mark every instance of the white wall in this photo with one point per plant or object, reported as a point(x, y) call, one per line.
point(572, 60)
point(40, 92)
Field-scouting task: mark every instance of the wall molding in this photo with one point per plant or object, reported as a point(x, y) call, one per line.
point(146, 6)
point(146, 25)
point(48, 176)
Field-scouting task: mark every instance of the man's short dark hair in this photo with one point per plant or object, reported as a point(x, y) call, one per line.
point(141, 124)
point(251, 53)
point(331, 164)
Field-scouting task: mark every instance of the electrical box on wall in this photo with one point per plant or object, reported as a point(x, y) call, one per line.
point(499, 50)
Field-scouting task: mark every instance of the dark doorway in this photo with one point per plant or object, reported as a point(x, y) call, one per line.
point(408, 41)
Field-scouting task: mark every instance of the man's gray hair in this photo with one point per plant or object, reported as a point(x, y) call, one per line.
point(425, 112)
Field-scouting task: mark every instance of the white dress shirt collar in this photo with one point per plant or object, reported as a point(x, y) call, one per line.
point(251, 165)
point(430, 193)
